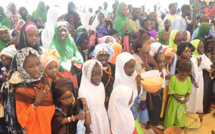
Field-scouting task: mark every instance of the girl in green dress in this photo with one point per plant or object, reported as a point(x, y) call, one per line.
point(180, 88)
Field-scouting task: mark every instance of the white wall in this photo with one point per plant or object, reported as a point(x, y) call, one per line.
point(32, 4)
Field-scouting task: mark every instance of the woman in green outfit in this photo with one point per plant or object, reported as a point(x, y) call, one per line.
point(4, 20)
point(41, 11)
point(70, 58)
point(180, 88)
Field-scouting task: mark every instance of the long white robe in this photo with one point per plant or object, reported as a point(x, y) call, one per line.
point(195, 104)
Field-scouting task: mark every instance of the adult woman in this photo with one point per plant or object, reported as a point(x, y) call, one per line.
point(23, 12)
point(122, 24)
point(13, 15)
point(4, 20)
point(70, 57)
point(174, 39)
point(72, 17)
point(141, 44)
point(41, 11)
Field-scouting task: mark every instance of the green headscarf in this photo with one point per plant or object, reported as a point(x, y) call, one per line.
point(171, 40)
point(3, 44)
point(4, 20)
point(195, 43)
point(203, 30)
point(120, 22)
point(160, 33)
point(79, 30)
point(67, 50)
point(40, 13)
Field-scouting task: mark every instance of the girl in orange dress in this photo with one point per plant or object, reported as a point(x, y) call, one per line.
point(34, 103)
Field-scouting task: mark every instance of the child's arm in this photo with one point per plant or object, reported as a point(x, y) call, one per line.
point(72, 118)
point(138, 80)
point(177, 98)
point(187, 97)
point(87, 112)
point(126, 27)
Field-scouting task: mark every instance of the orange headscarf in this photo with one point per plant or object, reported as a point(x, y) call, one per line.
point(117, 48)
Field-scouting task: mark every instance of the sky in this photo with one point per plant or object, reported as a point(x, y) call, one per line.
point(32, 4)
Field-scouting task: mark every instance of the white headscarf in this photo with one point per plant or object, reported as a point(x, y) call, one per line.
point(87, 89)
point(85, 18)
point(120, 115)
point(188, 36)
point(101, 47)
point(154, 48)
point(9, 51)
point(52, 15)
point(121, 78)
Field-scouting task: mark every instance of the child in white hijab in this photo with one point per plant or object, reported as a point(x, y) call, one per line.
point(93, 90)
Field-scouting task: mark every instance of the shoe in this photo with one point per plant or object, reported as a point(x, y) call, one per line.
point(160, 127)
point(151, 131)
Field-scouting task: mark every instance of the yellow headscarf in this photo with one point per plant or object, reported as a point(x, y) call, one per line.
point(195, 43)
point(171, 40)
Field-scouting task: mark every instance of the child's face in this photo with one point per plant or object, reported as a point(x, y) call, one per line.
point(200, 48)
point(178, 38)
point(15, 33)
point(161, 61)
point(62, 33)
point(156, 38)
point(28, 19)
point(101, 17)
point(33, 66)
point(21, 22)
point(130, 67)
point(167, 24)
point(73, 32)
point(40, 23)
point(109, 40)
point(4, 35)
point(52, 69)
point(66, 99)
point(6, 61)
point(169, 60)
point(165, 36)
point(103, 58)
point(85, 45)
point(104, 24)
point(152, 24)
point(96, 75)
point(184, 36)
point(146, 46)
point(147, 25)
point(124, 10)
point(183, 75)
point(31, 37)
point(186, 53)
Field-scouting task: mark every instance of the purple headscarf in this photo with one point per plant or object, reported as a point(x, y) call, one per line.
point(153, 33)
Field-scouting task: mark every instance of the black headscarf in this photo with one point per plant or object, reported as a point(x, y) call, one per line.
point(23, 42)
point(20, 12)
point(74, 14)
point(81, 37)
point(182, 46)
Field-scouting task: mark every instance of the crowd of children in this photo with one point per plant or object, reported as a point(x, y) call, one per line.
point(77, 73)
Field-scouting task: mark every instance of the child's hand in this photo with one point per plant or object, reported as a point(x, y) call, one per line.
point(84, 102)
point(126, 26)
point(196, 85)
point(138, 79)
point(187, 99)
point(168, 76)
point(79, 116)
point(39, 97)
point(128, 32)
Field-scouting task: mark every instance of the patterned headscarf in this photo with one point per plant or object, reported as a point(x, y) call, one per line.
point(20, 59)
point(139, 38)
point(49, 56)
